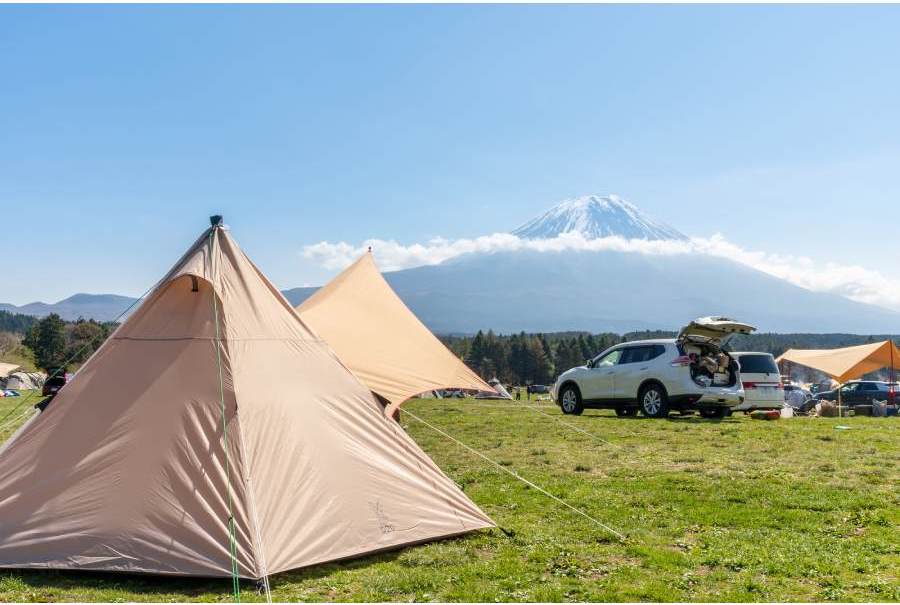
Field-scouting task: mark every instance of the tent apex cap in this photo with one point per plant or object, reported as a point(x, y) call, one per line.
point(216, 220)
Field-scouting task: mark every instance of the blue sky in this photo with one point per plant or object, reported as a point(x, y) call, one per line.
point(123, 128)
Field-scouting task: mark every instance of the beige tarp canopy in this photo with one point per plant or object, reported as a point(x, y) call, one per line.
point(7, 368)
point(849, 362)
point(380, 339)
point(215, 401)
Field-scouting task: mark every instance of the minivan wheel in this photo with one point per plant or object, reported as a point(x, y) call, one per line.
point(653, 401)
point(570, 400)
point(622, 412)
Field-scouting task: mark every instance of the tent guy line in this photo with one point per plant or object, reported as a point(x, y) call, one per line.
point(573, 427)
point(232, 543)
point(517, 476)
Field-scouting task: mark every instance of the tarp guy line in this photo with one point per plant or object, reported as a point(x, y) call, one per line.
point(80, 350)
point(518, 476)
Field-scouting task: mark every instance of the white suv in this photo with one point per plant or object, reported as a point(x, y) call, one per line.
point(691, 372)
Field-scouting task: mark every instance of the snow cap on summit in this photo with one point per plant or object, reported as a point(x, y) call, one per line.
point(595, 216)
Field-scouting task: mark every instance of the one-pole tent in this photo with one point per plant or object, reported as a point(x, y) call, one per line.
point(381, 340)
point(215, 434)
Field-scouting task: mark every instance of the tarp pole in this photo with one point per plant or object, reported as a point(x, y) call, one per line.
point(892, 388)
point(840, 388)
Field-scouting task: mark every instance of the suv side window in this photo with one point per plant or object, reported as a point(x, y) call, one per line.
point(630, 355)
point(641, 353)
point(656, 351)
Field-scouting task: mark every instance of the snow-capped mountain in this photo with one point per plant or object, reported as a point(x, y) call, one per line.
point(586, 289)
point(596, 216)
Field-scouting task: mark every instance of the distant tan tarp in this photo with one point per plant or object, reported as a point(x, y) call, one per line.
point(7, 368)
point(376, 335)
point(846, 363)
point(128, 470)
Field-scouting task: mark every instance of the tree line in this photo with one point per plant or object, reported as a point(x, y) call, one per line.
point(539, 358)
point(523, 358)
point(56, 343)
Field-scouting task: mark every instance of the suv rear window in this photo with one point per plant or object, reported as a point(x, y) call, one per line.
point(758, 364)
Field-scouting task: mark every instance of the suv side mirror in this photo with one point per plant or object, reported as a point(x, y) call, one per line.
point(589, 363)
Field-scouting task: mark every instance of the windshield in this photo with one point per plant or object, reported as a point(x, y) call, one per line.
point(757, 364)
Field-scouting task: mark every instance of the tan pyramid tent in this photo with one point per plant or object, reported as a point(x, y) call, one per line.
point(849, 362)
point(127, 470)
point(376, 335)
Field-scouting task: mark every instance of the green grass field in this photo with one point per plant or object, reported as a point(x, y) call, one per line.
point(732, 510)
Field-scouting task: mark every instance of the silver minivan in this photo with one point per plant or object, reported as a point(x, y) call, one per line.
point(761, 379)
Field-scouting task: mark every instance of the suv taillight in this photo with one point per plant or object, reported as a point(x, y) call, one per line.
point(681, 361)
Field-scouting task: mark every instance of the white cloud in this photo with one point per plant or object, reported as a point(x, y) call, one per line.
point(852, 281)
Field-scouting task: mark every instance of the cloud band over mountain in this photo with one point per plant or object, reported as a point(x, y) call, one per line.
point(852, 281)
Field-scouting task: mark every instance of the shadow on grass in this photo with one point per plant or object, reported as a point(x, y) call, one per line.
point(686, 418)
point(78, 581)
point(191, 587)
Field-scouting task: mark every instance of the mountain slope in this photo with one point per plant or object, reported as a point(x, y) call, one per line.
point(615, 291)
point(102, 307)
point(597, 216)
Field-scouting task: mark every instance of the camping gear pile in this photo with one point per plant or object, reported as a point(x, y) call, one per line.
point(216, 434)
point(765, 414)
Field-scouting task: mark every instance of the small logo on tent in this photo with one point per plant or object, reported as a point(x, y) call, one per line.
point(385, 525)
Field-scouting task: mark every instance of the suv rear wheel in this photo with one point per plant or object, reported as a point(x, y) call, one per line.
point(654, 401)
point(570, 400)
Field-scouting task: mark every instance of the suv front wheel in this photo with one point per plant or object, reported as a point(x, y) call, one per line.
point(654, 401)
point(570, 400)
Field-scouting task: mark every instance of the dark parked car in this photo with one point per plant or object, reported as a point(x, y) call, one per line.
point(862, 392)
point(54, 383)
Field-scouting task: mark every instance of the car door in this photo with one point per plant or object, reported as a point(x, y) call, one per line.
point(632, 368)
point(850, 394)
point(868, 392)
point(599, 384)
